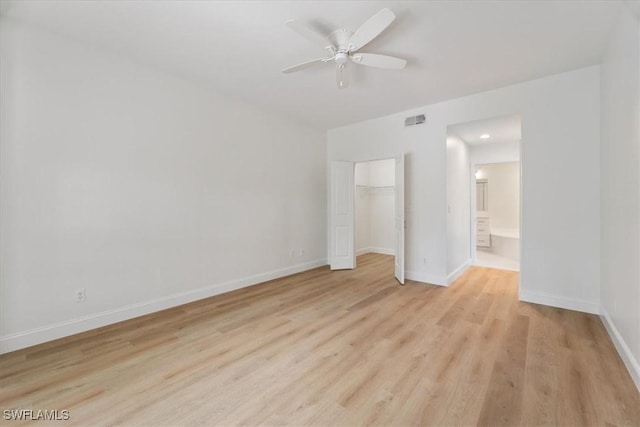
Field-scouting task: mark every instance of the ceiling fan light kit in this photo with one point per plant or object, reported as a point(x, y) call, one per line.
point(343, 44)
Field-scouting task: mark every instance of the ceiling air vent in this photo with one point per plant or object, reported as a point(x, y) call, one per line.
point(415, 120)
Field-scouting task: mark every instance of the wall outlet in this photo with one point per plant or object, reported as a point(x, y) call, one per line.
point(81, 295)
point(301, 252)
point(424, 261)
point(292, 253)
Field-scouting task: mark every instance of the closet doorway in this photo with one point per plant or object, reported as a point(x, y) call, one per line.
point(366, 208)
point(375, 199)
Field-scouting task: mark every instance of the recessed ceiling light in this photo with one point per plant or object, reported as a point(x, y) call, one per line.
point(485, 136)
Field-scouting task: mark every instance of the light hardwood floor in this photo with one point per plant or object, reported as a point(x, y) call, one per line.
point(336, 348)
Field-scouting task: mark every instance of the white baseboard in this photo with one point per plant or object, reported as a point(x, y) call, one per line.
point(375, 250)
point(54, 331)
point(425, 278)
point(623, 349)
point(458, 271)
point(560, 302)
point(384, 251)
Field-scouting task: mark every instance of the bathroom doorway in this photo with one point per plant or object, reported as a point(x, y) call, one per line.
point(497, 207)
point(490, 191)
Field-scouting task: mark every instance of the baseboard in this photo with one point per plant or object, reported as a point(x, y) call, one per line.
point(384, 251)
point(363, 251)
point(560, 302)
point(623, 350)
point(425, 278)
point(458, 271)
point(375, 250)
point(54, 331)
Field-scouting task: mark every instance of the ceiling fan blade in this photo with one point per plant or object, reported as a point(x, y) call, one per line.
point(309, 32)
point(380, 61)
point(342, 76)
point(370, 29)
point(304, 65)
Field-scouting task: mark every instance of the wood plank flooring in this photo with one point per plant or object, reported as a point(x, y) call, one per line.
point(336, 348)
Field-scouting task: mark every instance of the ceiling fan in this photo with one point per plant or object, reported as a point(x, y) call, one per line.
point(344, 45)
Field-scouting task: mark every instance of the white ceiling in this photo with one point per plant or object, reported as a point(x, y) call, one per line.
point(500, 129)
point(453, 48)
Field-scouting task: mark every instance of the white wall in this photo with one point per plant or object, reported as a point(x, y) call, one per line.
point(361, 174)
point(381, 226)
point(503, 180)
point(382, 173)
point(375, 206)
point(362, 208)
point(495, 152)
point(560, 222)
point(144, 189)
point(620, 204)
point(458, 207)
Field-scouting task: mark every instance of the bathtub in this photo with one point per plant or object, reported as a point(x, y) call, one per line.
point(505, 242)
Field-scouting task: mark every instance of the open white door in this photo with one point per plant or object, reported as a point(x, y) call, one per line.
point(342, 254)
point(399, 218)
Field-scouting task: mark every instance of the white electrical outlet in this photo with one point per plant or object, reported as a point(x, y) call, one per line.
point(292, 253)
point(81, 295)
point(301, 253)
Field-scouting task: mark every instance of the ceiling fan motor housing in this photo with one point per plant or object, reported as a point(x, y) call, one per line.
point(340, 38)
point(341, 57)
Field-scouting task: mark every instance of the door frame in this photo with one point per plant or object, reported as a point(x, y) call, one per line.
point(330, 204)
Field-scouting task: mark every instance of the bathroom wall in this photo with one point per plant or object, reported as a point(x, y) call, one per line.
point(504, 193)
